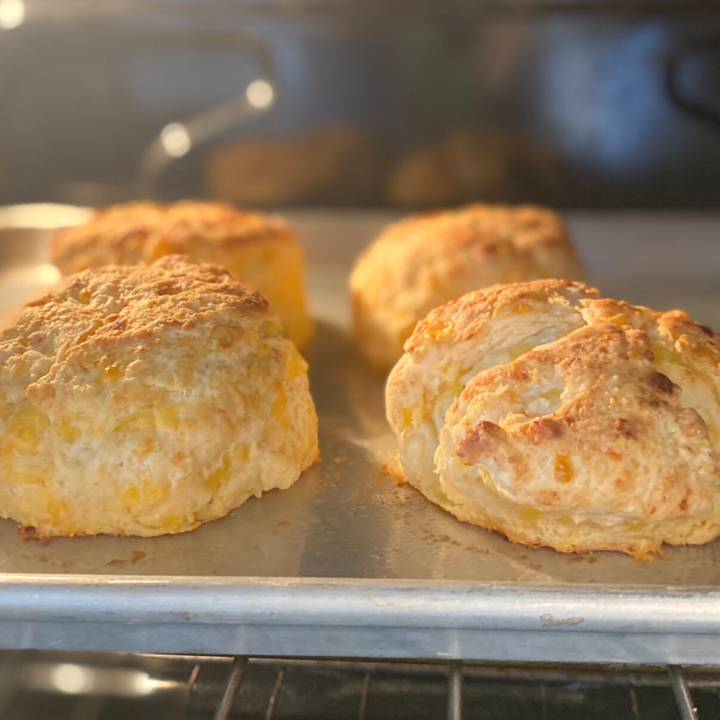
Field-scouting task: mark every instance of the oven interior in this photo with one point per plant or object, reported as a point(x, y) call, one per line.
point(587, 104)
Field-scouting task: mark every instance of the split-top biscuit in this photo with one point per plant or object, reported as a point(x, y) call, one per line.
point(560, 418)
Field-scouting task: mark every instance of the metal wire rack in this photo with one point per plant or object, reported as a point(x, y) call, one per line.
point(104, 686)
point(544, 680)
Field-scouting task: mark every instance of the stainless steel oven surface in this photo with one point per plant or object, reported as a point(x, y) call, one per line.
point(349, 595)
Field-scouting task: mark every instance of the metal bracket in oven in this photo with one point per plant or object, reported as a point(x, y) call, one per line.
point(177, 138)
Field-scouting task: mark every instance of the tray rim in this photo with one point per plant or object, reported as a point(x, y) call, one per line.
point(314, 617)
point(351, 602)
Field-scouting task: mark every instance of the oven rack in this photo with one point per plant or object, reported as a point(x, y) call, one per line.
point(542, 678)
point(100, 686)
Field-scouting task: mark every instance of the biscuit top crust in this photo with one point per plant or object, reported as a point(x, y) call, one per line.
point(624, 410)
point(115, 313)
point(449, 239)
point(571, 402)
point(485, 226)
point(140, 232)
point(467, 317)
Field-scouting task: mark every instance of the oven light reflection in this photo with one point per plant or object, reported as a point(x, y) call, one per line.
point(260, 94)
point(176, 140)
point(12, 14)
point(71, 679)
point(76, 679)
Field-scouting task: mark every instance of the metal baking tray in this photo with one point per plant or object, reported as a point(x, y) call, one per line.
point(348, 562)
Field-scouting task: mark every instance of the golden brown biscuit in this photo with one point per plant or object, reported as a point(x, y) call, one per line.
point(559, 418)
point(331, 165)
point(145, 400)
point(470, 164)
point(260, 249)
point(420, 263)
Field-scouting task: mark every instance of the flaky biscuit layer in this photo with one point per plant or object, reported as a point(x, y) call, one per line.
point(563, 419)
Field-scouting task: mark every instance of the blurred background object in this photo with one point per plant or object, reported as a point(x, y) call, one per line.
point(464, 166)
point(336, 166)
point(582, 103)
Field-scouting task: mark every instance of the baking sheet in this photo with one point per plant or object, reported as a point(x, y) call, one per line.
point(348, 517)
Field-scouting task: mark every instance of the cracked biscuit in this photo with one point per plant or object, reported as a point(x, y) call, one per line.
point(563, 419)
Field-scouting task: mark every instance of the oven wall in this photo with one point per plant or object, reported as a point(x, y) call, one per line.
point(580, 108)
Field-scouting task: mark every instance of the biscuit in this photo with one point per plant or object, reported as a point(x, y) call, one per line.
point(470, 164)
point(144, 400)
point(336, 165)
point(260, 249)
point(422, 262)
point(561, 419)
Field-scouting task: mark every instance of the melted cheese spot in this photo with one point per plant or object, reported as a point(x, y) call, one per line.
point(172, 523)
point(141, 420)
point(552, 395)
point(167, 417)
point(407, 418)
point(296, 367)
point(219, 476)
point(438, 332)
point(24, 428)
point(144, 493)
point(279, 410)
point(112, 373)
point(68, 431)
point(563, 467)
point(529, 514)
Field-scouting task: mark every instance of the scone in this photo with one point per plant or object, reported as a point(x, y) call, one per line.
point(260, 249)
point(559, 418)
point(145, 400)
point(422, 262)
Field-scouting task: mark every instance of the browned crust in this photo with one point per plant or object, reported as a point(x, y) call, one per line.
point(119, 304)
point(487, 226)
point(463, 319)
point(603, 435)
point(126, 234)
